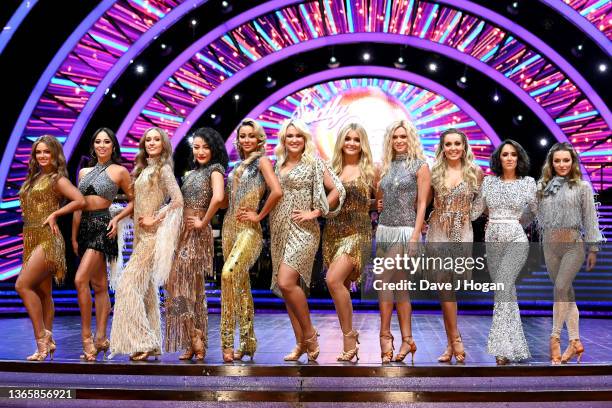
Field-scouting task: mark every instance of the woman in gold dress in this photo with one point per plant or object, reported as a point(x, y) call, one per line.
point(347, 237)
point(45, 186)
point(242, 236)
point(294, 228)
point(185, 300)
point(136, 328)
point(455, 181)
point(402, 199)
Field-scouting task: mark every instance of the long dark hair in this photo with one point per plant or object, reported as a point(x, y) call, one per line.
point(217, 147)
point(522, 165)
point(115, 155)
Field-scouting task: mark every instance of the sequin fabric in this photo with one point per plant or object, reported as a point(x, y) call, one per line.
point(136, 321)
point(185, 297)
point(242, 243)
point(93, 232)
point(97, 182)
point(350, 232)
point(508, 203)
point(295, 244)
point(399, 188)
point(37, 204)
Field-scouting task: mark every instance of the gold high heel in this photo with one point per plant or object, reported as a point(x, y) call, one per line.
point(43, 348)
point(447, 356)
point(348, 355)
point(89, 350)
point(574, 347)
point(412, 348)
point(501, 361)
point(312, 346)
point(458, 351)
point(197, 345)
point(241, 353)
point(144, 355)
point(298, 350)
point(386, 356)
point(228, 355)
point(555, 350)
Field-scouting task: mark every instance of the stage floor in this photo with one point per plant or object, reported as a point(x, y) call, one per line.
point(275, 339)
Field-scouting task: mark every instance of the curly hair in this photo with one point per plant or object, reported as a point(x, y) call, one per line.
point(366, 164)
point(415, 148)
point(216, 144)
point(469, 168)
point(522, 165)
point(58, 161)
point(261, 145)
point(309, 153)
point(548, 171)
point(140, 162)
point(115, 155)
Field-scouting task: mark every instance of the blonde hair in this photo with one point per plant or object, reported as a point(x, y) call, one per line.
point(548, 171)
point(414, 151)
point(140, 162)
point(366, 164)
point(58, 161)
point(261, 145)
point(468, 167)
point(308, 155)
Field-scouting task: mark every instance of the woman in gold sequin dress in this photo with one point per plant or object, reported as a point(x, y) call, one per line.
point(45, 186)
point(185, 300)
point(136, 328)
point(294, 228)
point(347, 237)
point(242, 236)
point(455, 180)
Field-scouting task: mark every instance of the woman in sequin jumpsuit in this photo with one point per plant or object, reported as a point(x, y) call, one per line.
point(455, 181)
point(401, 200)
point(136, 328)
point(94, 235)
point(294, 228)
point(185, 300)
point(347, 237)
point(510, 198)
point(45, 186)
point(242, 236)
point(567, 220)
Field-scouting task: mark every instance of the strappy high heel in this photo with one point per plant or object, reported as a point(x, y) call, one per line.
point(447, 356)
point(298, 350)
point(458, 350)
point(144, 355)
point(197, 344)
point(102, 346)
point(574, 348)
point(89, 350)
point(43, 348)
point(187, 355)
point(312, 346)
point(386, 356)
point(555, 350)
point(350, 354)
point(228, 355)
point(412, 348)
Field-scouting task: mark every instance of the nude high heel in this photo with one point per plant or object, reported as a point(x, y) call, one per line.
point(350, 354)
point(43, 348)
point(298, 350)
point(386, 356)
point(197, 345)
point(555, 350)
point(312, 346)
point(102, 346)
point(89, 350)
point(574, 348)
point(458, 350)
point(447, 356)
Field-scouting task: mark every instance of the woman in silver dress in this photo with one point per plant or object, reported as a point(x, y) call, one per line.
point(507, 196)
point(567, 219)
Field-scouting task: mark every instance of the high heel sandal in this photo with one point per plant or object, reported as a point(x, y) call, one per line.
point(386, 356)
point(502, 361)
point(89, 350)
point(412, 348)
point(574, 348)
point(197, 345)
point(312, 346)
point(458, 350)
point(348, 355)
point(241, 353)
point(43, 348)
point(555, 350)
point(228, 355)
point(102, 346)
point(144, 355)
point(187, 355)
point(298, 350)
point(447, 356)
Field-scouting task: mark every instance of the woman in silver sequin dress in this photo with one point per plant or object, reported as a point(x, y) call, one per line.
point(401, 200)
point(294, 228)
point(510, 198)
point(185, 300)
point(455, 181)
point(567, 220)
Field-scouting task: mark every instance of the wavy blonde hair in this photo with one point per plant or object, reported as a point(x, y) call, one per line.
point(309, 147)
point(140, 162)
point(548, 171)
point(415, 148)
point(261, 145)
point(58, 161)
point(468, 167)
point(366, 164)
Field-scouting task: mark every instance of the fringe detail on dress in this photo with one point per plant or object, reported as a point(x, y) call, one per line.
point(125, 233)
point(165, 244)
point(52, 246)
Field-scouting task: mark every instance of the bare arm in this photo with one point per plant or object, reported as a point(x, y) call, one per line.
point(423, 191)
point(276, 193)
point(125, 183)
point(76, 222)
point(218, 193)
point(64, 187)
